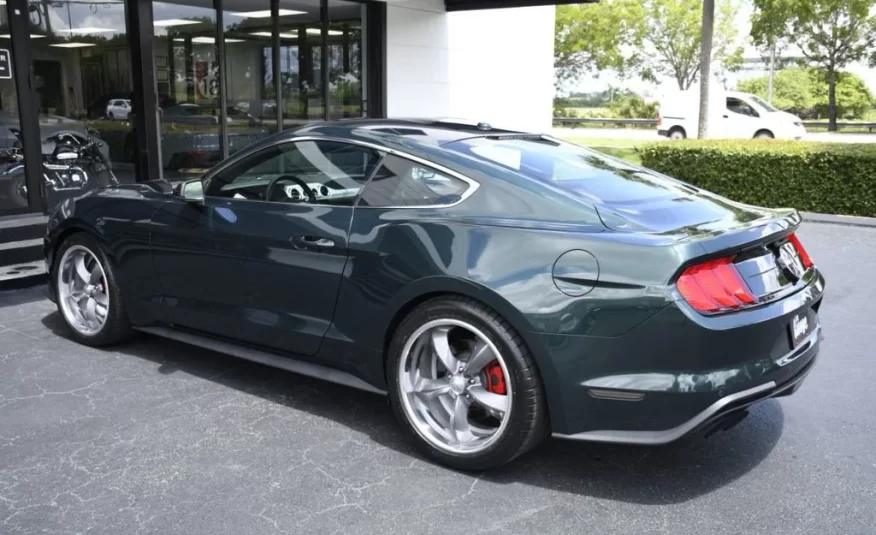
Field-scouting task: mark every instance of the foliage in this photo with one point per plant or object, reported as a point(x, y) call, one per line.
point(804, 92)
point(830, 178)
point(674, 30)
point(651, 38)
point(591, 37)
point(830, 34)
point(634, 107)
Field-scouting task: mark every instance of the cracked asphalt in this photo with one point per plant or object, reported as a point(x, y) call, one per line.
point(157, 437)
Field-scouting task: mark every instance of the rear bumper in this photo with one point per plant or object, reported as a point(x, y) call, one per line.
point(677, 371)
point(720, 409)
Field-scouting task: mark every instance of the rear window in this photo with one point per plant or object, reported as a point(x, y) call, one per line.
point(576, 170)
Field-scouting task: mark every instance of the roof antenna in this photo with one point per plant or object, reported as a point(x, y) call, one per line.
point(484, 126)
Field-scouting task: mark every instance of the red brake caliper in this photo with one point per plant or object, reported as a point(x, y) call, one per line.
point(495, 378)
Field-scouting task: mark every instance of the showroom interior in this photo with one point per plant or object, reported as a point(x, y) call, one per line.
point(167, 89)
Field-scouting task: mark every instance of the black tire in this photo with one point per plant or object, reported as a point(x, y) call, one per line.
point(529, 422)
point(15, 191)
point(677, 133)
point(117, 328)
point(764, 134)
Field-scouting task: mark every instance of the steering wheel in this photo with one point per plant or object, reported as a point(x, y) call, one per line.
point(311, 197)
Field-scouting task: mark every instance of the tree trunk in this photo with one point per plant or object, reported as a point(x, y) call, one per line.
point(831, 100)
point(705, 66)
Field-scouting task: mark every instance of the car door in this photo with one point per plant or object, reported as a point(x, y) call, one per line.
point(269, 256)
point(741, 120)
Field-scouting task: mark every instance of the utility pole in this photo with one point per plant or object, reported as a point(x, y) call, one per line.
point(705, 66)
point(772, 73)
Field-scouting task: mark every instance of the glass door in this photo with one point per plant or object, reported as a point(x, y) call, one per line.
point(13, 182)
point(80, 62)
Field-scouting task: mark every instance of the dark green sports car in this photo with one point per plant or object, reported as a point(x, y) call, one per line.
point(499, 286)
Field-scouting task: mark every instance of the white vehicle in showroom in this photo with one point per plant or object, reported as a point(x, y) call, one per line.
point(118, 109)
point(732, 115)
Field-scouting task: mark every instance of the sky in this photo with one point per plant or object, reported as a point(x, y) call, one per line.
point(603, 81)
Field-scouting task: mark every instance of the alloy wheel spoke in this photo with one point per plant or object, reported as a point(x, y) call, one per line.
point(96, 274)
point(91, 311)
point(459, 426)
point(431, 388)
point(82, 272)
point(101, 299)
point(489, 400)
point(441, 346)
point(481, 355)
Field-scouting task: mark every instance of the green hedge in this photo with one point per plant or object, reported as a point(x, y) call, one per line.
point(829, 178)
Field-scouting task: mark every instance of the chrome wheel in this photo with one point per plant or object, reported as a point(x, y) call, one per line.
point(82, 290)
point(454, 386)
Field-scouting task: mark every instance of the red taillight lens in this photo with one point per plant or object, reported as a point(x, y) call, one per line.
point(659, 120)
point(804, 256)
point(714, 286)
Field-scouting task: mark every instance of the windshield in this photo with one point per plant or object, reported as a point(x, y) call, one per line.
point(573, 169)
point(763, 104)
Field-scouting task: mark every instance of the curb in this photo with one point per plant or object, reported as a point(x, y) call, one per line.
point(847, 220)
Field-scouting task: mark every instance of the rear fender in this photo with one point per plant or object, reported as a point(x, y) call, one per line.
point(428, 287)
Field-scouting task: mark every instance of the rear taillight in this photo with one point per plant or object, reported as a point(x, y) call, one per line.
point(659, 120)
point(801, 251)
point(714, 286)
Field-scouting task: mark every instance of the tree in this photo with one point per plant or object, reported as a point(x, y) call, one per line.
point(673, 30)
point(706, 42)
point(594, 37)
point(830, 34)
point(804, 92)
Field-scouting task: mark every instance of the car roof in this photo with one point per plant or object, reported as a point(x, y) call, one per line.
point(430, 132)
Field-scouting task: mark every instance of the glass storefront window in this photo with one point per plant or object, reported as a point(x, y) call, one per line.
point(345, 59)
point(13, 189)
point(187, 78)
point(82, 89)
point(252, 98)
point(301, 62)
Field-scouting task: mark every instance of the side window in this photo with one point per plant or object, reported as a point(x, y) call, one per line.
point(741, 107)
point(401, 182)
point(312, 172)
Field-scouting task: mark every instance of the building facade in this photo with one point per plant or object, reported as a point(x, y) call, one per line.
point(166, 89)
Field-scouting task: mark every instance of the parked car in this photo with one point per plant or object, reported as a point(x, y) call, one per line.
point(733, 115)
point(118, 109)
point(191, 137)
point(499, 286)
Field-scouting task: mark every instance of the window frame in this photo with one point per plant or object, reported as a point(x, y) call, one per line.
point(422, 163)
point(381, 155)
point(474, 185)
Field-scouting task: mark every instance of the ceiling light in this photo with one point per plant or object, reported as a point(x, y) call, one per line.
point(32, 36)
point(73, 45)
point(174, 22)
point(267, 13)
point(286, 35)
point(204, 40)
point(86, 30)
point(317, 31)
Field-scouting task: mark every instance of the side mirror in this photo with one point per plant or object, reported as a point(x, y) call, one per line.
point(193, 191)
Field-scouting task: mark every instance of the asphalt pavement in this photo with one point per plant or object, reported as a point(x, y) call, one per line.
point(155, 437)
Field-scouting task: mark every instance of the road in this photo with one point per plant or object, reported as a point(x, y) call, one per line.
point(160, 438)
point(641, 134)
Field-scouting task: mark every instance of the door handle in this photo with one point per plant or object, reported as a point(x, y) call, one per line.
point(312, 241)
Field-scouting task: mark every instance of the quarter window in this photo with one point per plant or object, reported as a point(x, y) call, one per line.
point(401, 182)
point(313, 172)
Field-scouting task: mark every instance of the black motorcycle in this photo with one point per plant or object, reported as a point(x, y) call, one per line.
point(72, 162)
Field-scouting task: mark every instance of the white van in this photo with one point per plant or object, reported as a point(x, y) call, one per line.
point(732, 115)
